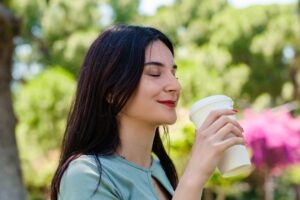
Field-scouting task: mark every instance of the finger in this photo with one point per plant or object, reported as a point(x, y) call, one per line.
point(229, 142)
point(221, 122)
point(226, 119)
point(215, 115)
point(229, 130)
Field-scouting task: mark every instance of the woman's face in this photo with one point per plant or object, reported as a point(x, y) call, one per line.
point(157, 94)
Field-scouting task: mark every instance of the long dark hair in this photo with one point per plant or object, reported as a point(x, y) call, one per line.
point(110, 73)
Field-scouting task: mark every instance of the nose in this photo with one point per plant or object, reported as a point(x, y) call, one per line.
point(173, 85)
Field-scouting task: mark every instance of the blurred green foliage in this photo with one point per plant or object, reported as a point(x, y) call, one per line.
point(219, 49)
point(42, 106)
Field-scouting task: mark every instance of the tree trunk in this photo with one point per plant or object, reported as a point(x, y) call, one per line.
point(269, 187)
point(11, 186)
point(208, 194)
point(297, 191)
point(220, 194)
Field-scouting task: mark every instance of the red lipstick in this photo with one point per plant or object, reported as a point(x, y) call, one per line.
point(169, 103)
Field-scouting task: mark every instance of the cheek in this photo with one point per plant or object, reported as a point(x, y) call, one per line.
point(146, 93)
point(152, 87)
point(148, 88)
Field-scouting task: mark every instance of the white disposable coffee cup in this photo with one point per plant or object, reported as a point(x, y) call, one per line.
point(235, 160)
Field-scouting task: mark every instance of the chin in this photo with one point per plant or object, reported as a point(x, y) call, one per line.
point(170, 121)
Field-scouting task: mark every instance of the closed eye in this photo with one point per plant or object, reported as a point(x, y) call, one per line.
point(154, 75)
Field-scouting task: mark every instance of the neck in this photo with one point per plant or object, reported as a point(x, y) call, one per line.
point(136, 142)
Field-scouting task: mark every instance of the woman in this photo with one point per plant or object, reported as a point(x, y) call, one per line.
point(112, 148)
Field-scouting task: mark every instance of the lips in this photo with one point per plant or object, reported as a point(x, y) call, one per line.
point(169, 103)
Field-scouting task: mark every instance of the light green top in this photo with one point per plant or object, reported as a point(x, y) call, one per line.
point(120, 180)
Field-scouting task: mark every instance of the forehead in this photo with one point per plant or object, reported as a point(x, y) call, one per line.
point(158, 51)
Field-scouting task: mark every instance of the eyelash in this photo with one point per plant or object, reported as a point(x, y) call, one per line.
point(158, 75)
point(155, 75)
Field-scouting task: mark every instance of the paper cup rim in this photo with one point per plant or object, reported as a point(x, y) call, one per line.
point(208, 100)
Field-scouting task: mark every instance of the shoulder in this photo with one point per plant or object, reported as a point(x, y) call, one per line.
point(159, 173)
point(155, 161)
point(90, 165)
point(156, 166)
point(81, 179)
point(82, 168)
point(82, 164)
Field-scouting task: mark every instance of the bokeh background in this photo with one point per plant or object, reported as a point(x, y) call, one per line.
point(246, 49)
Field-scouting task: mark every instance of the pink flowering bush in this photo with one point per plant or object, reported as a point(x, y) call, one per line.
point(273, 138)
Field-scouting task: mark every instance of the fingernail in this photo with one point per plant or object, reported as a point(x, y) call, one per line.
point(234, 110)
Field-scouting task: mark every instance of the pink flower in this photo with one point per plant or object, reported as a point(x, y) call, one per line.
point(273, 137)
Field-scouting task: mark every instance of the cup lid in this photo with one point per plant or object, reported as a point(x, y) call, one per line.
point(208, 100)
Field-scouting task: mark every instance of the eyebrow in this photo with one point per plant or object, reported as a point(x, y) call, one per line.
point(158, 64)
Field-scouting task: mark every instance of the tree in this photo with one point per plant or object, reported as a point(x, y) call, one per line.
point(42, 104)
point(219, 49)
point(58, 32)
point(11, 186)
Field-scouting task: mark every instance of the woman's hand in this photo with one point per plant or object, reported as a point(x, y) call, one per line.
point(217, 133)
